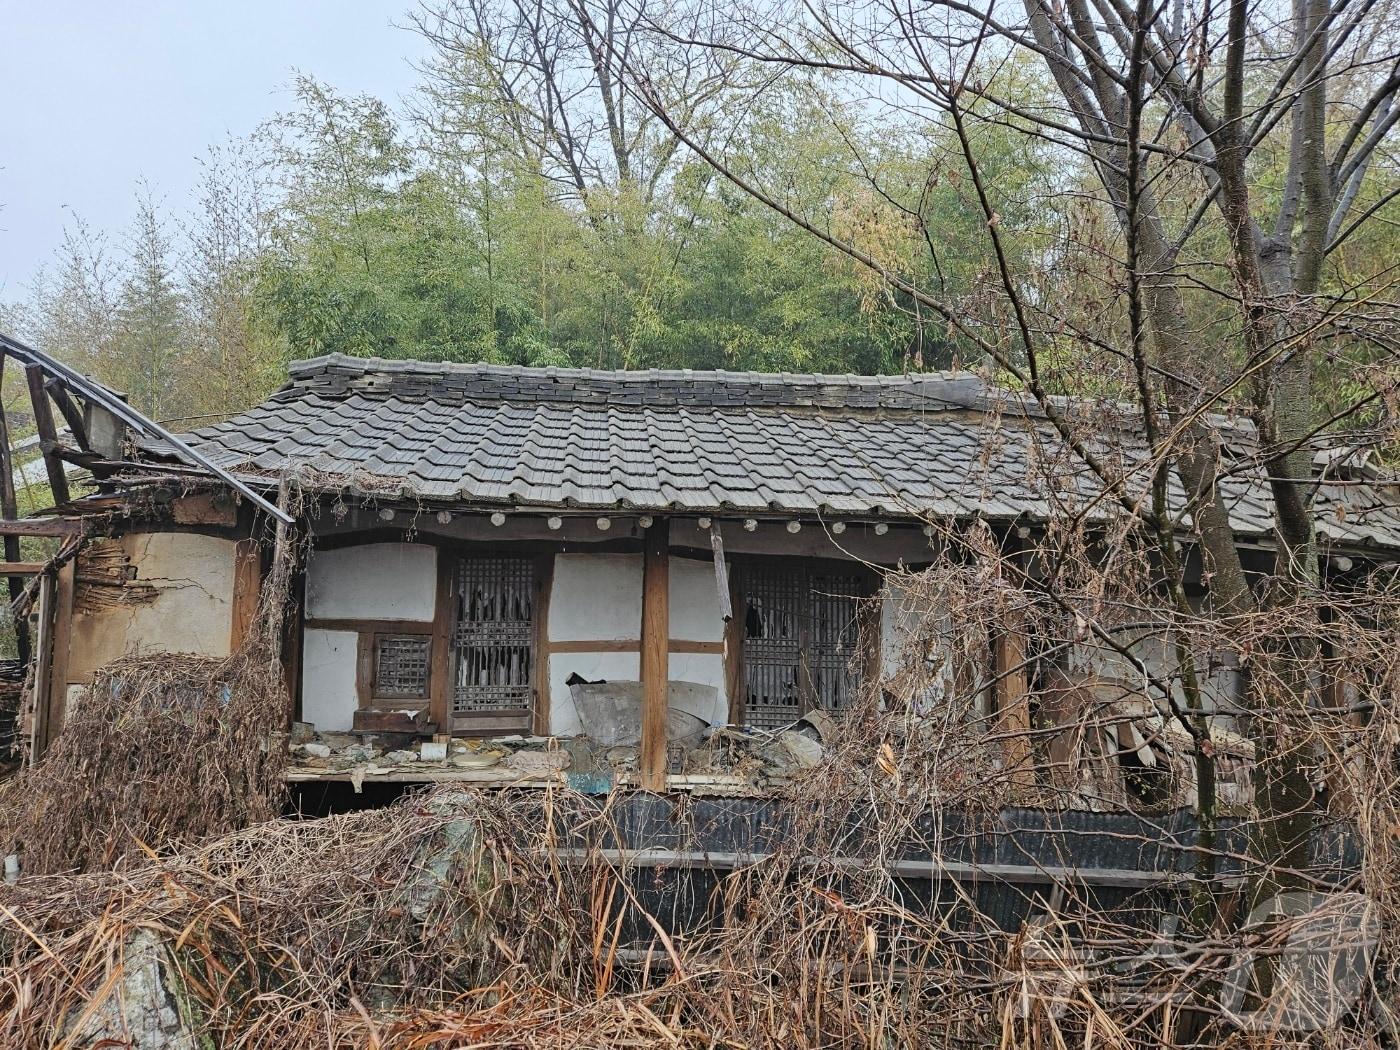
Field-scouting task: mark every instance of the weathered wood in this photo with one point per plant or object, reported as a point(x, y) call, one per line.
point(544, 586)
point(247, 590)
point(15, 569)
point(43, 652)
point(1011, 691)
point(42, 527)
point(9, 511)
point(734, 653)
point(655, 660)
point(633, 645)
point(209, 508)
point(440, 655)
point(62, 644)
point(726, 606)
point(48, 433)
point(364, 669)
point(374, 626)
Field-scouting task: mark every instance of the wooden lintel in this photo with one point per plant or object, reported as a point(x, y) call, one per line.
point(633, 645)
point(655, 659)
point(42, 527)
point(24, 568)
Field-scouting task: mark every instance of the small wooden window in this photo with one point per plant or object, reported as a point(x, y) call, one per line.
point(402, 666)
point(802, 634)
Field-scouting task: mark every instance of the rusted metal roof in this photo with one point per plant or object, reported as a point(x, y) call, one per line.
point(945, 445)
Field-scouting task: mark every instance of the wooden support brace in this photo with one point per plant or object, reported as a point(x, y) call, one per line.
point(48, 433)
point(655, 658)
point(59, 527)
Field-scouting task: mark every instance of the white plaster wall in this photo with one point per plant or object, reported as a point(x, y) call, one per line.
point(695, 615)
point(372, 581)
point(191, 612)
point(328, 678)
point(596, 597)
point(704, 669)
point(610, 667)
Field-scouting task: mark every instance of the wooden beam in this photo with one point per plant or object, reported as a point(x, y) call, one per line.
point(544, 586)
point(38, 727)
point(48, 433)
point(734, 650)
point(1011, 690)
point(632, 645)
point(62, 643)
point(59, 527)
point(9, 511)
point(247, 589)
point(15, 569)
point(440, 652)
point(656, 636)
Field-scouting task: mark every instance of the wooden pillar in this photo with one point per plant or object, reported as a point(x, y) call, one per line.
point(247, 591)
point(62, 642)
point(9, 511)
point(440, 687)
point(1012, 718)
point(656, 643)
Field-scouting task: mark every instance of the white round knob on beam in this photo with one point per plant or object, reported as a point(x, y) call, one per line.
point(646, 521)
point(555, 522)
point(444, 517)
point(750, 524)
point(604, 524)
point(881, 528)
point(794, 526)
point(386, 514)
point(498, 519)
point(838, 527)
point(704, 523)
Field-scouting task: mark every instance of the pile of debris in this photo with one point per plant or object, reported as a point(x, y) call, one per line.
point(719, 760)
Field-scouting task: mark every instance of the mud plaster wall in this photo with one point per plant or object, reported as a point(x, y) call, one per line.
point(915, 664)
point(187, 608)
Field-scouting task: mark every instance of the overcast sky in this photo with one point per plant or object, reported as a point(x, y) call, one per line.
point(98, 93)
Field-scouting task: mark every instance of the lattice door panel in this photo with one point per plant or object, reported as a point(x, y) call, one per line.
point(402, 666)
point(834, 630)
point(801, 635)
point(773, 605)
point(494, 640)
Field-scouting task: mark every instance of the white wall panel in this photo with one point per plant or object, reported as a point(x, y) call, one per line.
point(328, 678)
point(372, 581)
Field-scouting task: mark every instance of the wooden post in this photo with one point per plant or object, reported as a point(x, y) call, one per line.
point(656, 643)
point(62, 643)
point(539, 674)
point(48, 433)
point(43, 649)
point(247, 589)
point(9, 511)
point(1012, 693)
point(440, 653)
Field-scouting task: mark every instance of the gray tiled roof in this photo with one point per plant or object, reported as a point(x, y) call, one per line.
point(856, 446)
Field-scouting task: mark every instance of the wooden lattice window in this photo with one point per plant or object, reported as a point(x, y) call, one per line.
point(802, 635)
point(402, 666)
point(494, 637)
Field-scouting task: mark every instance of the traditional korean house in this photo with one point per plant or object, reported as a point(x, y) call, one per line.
point(487, 546)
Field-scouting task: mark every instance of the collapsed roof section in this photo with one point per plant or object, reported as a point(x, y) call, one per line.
point(944, 445)
point(98, 424)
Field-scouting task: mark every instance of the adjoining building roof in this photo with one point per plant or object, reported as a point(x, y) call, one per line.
point(717, 442)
